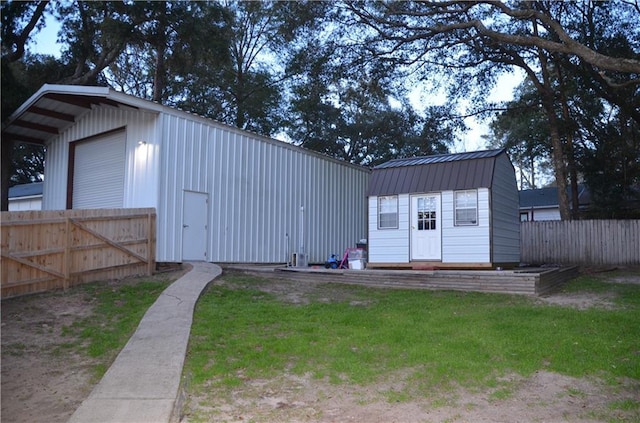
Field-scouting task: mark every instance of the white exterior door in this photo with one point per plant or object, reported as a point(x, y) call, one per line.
point(426, 227)
point(194, 226)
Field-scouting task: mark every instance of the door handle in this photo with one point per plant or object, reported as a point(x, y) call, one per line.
point(185, 226)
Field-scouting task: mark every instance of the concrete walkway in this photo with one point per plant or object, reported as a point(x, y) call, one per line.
point(143, 383)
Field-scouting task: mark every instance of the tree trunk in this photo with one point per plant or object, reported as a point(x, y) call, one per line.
point(160, 73)
point(569, 126)
point(7, 147)
point(557, 150)
point(559, 167)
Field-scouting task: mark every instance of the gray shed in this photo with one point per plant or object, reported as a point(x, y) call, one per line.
point(449, 210)
point(221, 194)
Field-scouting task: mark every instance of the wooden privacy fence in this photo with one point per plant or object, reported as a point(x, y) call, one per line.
point(45, 250)
point(583, 242)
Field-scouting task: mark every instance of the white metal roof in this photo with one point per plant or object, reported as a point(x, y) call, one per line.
point(53, 108)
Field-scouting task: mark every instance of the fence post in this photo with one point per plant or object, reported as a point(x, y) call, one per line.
point(67, 253)
point(150, 249)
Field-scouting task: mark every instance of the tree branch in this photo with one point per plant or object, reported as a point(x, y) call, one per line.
point(22, 38)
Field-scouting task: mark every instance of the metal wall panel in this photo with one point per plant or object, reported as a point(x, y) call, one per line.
point(505, 217)
point(54, 189)
point(257, 187)
point(142, 161)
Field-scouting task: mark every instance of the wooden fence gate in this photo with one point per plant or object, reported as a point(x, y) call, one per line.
point(46, 250)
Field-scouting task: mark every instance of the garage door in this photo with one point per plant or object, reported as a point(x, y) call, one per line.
point(98, 172)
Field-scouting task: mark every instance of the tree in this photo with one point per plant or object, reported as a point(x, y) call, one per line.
point(19, 20)
point(610, 165)
point(247, 90)
point(479, 39)
point(24, 163)
point(523, 130)
point(99, 36)
point(591, 126)
point(176, 43)
point(356, 112)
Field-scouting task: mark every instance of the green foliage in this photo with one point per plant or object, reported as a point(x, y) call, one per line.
point(442, 337)
point(615, 188)
point(20, 79)
point(333, 77)
point(357, 112)
point(524, 131)
point(177, 44)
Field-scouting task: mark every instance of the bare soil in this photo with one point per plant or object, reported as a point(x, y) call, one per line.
point(45, 378)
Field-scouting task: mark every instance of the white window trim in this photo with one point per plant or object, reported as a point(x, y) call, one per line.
point(388, 197)
point(456, 208)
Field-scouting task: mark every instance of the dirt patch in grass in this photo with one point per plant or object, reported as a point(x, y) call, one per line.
point(45, 377)
point(589, 299)
point(45, 373)
point(543, 397)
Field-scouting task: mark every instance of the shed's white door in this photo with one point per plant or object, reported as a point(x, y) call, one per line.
point(426, 227)
point(194, 226)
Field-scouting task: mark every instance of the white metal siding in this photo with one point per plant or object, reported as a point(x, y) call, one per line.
point(98, 172)
point(540, 214)
point(255, 185)
point(505, 217)
point(25, 203)
point(465, 244)
point(256, 189)
point(54, 196)
point(389, 245)
point(142, 161)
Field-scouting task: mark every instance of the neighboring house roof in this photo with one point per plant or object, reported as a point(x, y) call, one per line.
point(544, 197)
point(548, 197)
point(442, 172)
point(25, 190)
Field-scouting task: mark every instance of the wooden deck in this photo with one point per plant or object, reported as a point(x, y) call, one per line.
point(538, 281)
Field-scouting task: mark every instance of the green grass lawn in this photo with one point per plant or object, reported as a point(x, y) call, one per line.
point(117, 313)
point(442, 338)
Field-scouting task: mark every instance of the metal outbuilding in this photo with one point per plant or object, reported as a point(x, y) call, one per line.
point(449, 210)
point(221, 194)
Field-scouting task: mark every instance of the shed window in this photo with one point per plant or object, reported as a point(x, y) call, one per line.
point(466, 208)
point(388, 212)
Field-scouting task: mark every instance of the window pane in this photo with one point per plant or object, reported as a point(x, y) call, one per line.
point(388, 212)
point(466, 212)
